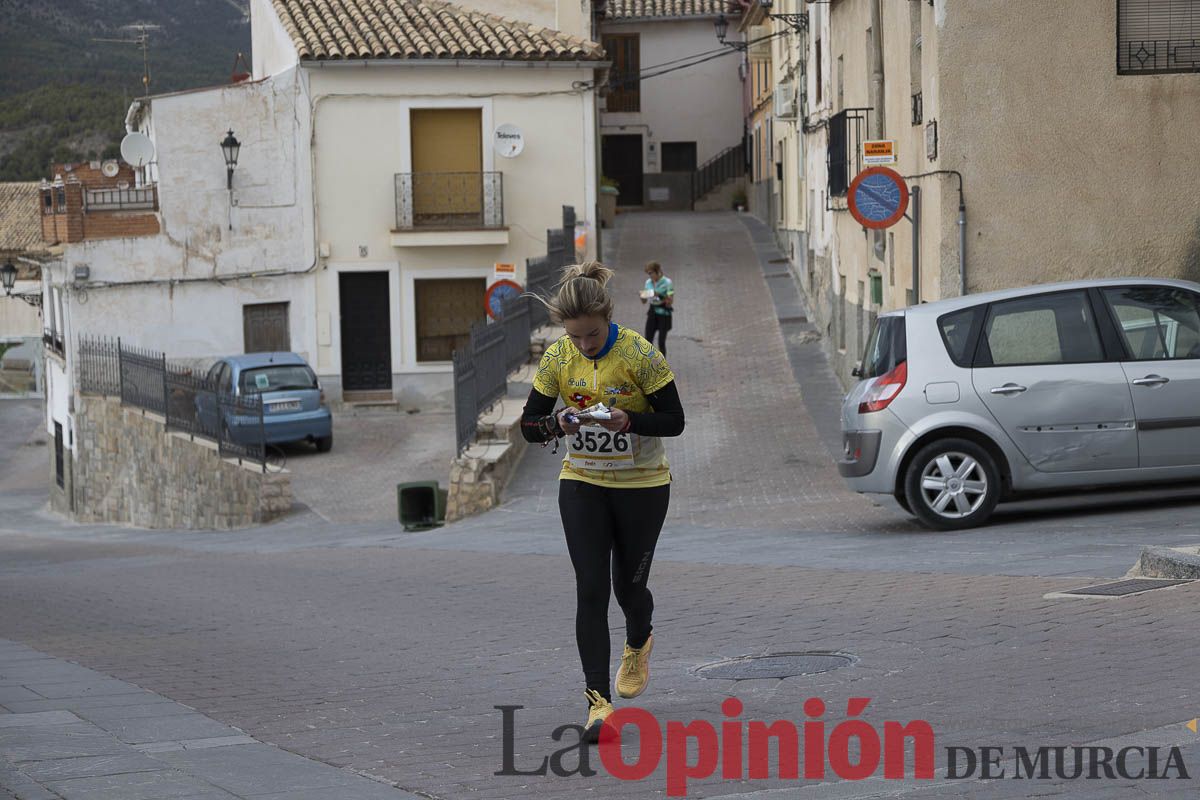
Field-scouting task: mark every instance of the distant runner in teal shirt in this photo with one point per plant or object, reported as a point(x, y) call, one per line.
point(659, 292)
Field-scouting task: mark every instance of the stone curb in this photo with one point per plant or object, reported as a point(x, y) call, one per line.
point(1167, 562)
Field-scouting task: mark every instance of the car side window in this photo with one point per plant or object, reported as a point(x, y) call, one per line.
point(1054, 328)
point(224, 376)
point(956, 333)
point(214, 372)
point(1156, 322)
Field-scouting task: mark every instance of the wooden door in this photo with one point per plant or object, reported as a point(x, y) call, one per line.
point(447, 165)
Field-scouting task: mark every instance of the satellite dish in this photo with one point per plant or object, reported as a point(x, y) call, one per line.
point(509, 140)
point(137, 149)
point(110, 168)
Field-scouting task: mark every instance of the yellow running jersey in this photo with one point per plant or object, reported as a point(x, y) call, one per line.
point(621, 378)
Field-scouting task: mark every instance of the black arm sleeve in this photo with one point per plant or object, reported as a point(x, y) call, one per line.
point(665, 420)
point(535, 426)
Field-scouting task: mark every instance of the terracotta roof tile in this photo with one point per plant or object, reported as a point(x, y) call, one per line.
point(420, 29)
point(649, 9)
point(20, 223)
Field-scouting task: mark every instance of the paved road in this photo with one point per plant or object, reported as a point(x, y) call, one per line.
point(384, 654)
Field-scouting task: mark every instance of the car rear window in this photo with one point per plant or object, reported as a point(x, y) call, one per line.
point(956, 329)
point(886, 349)
point(277, 378)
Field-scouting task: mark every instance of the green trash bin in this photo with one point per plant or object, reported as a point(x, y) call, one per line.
point(422, 505)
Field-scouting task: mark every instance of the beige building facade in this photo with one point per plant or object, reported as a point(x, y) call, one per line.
point(1067, 126)
point(443, 146)
point(674, 100)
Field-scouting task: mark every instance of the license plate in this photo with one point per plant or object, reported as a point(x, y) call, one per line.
point(287, 405)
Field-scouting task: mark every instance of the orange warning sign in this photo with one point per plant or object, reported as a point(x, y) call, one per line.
point(880, 151)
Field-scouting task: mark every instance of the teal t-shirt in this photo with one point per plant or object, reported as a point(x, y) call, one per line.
point(662, 288)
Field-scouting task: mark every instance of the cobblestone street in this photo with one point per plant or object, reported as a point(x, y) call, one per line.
point(372, 653)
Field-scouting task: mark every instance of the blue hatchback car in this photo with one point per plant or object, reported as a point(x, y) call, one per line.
point(294, 407)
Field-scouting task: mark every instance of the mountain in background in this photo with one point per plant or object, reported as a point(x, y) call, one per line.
point(63, 95)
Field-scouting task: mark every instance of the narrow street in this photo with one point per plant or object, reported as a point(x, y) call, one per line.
point(374, 653)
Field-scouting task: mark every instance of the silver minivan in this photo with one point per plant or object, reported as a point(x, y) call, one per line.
point(968, 402)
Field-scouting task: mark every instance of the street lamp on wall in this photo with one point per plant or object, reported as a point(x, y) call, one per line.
point(8, 279)
point(797, 22)
point(721, 27)
point(230, 146)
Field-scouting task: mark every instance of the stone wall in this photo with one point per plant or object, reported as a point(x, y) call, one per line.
point(479, 475)
point(128, 469)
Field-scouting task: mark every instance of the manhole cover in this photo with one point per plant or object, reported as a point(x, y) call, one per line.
point(779, 665)
point(1119, 588)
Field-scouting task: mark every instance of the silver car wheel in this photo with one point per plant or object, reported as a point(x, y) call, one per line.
point(954, 485)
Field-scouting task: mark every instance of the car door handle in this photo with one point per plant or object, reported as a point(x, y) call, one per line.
point(1151, 380)
point(1008, 388)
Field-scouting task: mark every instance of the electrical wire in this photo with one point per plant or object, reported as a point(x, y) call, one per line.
point(694, 59)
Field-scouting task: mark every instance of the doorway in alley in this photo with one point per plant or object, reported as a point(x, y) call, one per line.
point(366, 331)
point(621, 160)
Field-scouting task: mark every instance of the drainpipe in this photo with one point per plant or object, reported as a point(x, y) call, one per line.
point(962, 224)
point(962, 244)
point(877, 69)
point(915, 205)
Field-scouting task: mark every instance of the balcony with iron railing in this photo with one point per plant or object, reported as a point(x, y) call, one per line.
point(449, 208)
point(122, 198)
point(72, 211)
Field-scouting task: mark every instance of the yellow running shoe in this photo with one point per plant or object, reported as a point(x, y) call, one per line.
point(599, 710)
point(634, 672)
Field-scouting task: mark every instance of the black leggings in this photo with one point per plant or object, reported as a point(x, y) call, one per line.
point(660, 323)
point(621, 526)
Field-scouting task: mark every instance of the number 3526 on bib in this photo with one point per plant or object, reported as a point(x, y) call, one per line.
point(595, 448)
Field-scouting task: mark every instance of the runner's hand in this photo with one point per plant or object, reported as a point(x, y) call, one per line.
point(619, 418)
point(568, 428)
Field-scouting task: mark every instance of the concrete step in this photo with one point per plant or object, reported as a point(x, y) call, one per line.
point(720, 198)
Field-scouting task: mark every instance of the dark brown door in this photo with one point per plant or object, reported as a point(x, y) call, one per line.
point(366, 331)
point(625, 88)
point(678, 156)
point(446, 308)
point(621, 160)
point(265, 328)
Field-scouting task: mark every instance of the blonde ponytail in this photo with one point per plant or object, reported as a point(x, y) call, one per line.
point(580, 292)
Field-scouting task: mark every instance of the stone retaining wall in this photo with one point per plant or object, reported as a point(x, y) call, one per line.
point(128, 469)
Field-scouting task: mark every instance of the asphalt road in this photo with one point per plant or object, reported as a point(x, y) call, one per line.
point(385, 654)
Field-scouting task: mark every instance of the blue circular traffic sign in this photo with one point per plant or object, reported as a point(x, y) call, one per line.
point(878, 197)
point(497, 294)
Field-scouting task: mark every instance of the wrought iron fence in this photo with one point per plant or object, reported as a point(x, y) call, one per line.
point(729, 163)
point(491, 372)
point(193, 404)
point(143, 379)
point(449, 200)
point(498, 348)
point(99, 366)
point(514, 325)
